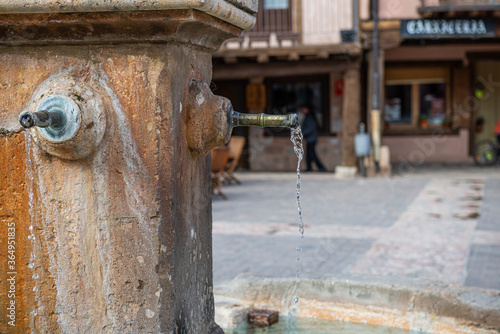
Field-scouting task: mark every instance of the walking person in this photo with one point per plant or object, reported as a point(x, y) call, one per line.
point(310, 134)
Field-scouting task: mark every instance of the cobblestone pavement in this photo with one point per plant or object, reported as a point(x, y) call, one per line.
point(440, 223)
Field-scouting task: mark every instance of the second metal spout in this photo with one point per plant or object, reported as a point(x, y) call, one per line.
point(41, 119)
point(264, 120)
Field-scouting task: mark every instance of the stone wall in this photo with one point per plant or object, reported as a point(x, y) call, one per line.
point(120, 240)
point(275, 153)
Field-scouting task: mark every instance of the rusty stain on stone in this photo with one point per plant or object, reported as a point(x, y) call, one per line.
point(140, 190)
point(14, 210)
point(93, 216)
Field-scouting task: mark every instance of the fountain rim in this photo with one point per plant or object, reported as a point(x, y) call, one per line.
point(241, 16)
point(371, 299)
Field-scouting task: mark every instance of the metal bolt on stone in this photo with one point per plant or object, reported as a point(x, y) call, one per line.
point(41, 119)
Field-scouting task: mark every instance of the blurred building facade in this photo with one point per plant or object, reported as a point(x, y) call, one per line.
point(439, 76)
point(295, 54)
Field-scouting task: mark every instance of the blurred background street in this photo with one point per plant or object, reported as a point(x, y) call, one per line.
point(439, 223)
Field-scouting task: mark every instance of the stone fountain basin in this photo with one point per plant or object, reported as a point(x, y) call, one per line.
point(416, 305)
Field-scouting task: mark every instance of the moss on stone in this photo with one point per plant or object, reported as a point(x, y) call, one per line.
point(6, 133)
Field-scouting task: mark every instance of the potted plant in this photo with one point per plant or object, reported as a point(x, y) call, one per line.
point(424, 123)
point(447, 123)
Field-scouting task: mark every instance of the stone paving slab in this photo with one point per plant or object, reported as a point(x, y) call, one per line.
point(270, 198)
point(483, 267)
point(276, 256)
point(490, 210)
point(431, 239)
point(424, 224)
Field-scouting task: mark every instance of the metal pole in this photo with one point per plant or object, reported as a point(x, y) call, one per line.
point(355, 19)
point(375, 112)
point(376, 89)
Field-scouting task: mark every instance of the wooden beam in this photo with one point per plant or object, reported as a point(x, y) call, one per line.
point(294, 56)
point(382, 25)
point(352, 49)
point(388, 39)
point(323, 55)
point(230, 60)
point(437, 52)
point(263, 58)
point(282, 69)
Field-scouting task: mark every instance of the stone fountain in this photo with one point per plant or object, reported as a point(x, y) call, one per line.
point(105, 203)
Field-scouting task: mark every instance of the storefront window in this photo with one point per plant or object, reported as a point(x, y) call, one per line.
point(415, 103)
point(398, 104)
point(433, 102)
point(416, 97)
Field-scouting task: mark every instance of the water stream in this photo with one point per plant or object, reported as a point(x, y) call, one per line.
point(28, 142)
point(296, 138)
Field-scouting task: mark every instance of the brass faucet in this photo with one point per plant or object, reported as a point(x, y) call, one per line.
point(264, 120)
point(211, 119)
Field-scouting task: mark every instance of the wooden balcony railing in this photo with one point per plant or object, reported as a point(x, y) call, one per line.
point(273, 17)
point(310, 23)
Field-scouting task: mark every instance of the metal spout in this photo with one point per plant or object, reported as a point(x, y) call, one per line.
point(42, 119)
point(211, 118)
point(264, 120)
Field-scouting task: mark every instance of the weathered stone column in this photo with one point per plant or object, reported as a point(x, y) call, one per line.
point(119, 215)
point(351, 115)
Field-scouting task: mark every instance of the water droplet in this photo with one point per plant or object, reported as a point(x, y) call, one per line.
point(35, 276)
point(31, 265)
point(31, 227)
point(35, 289)
point(29, 237)
point(299, 249)
point(295, 299)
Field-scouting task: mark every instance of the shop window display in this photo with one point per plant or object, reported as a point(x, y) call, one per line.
point(415, 104)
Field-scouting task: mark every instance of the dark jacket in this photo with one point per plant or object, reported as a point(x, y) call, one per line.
point(309, 129)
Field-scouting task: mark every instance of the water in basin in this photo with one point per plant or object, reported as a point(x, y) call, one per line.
point(297, 325)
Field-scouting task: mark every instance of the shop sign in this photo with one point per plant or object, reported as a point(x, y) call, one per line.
point(339, 87)
point(451, 28)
